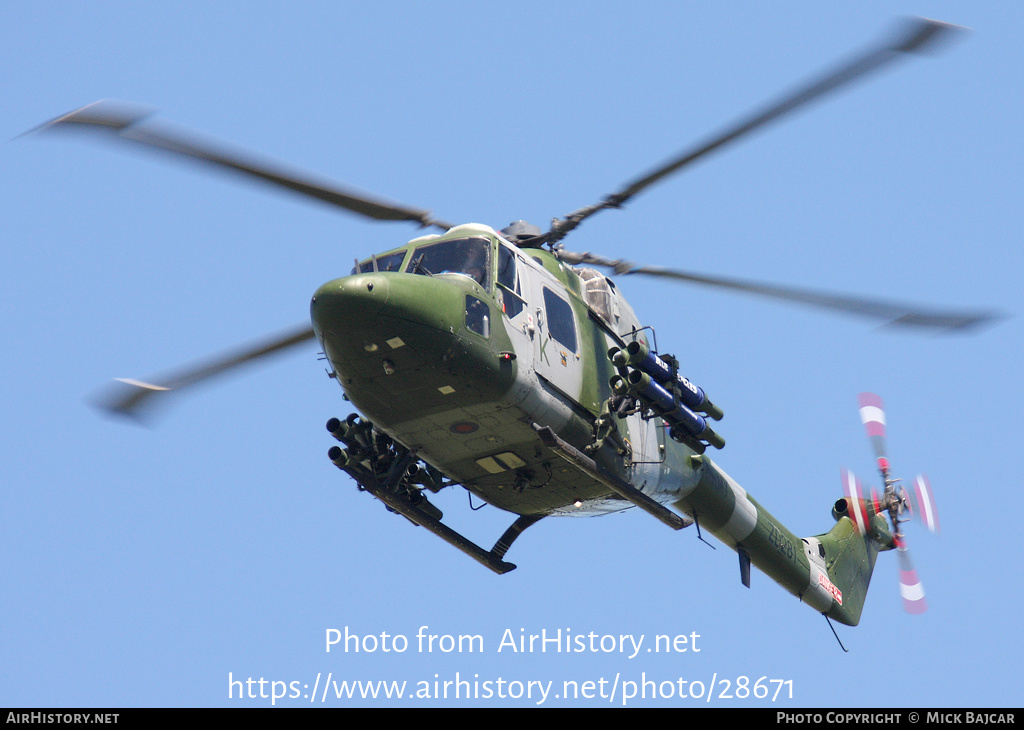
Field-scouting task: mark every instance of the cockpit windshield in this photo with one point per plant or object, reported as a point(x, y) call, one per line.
point(467, 256)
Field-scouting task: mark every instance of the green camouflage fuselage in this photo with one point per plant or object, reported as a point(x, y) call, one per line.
point(463, 362)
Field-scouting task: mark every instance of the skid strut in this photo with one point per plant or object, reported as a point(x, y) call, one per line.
point(625, 490)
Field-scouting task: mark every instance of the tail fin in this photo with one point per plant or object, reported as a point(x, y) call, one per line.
point(848, 559)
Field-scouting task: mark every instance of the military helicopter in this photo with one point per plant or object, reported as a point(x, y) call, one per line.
point(500, 362)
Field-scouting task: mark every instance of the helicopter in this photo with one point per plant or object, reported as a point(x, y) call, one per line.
point(500, 362)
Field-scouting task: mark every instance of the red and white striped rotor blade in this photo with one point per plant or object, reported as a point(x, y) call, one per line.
point(911, 589)
point(852, 491)
point(876, 505)
point(872, 415)
point(926, 503)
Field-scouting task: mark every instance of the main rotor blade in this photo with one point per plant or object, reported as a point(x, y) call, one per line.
point(914, 36)
point(889, 313)
point(135, 398)
point(124, 122)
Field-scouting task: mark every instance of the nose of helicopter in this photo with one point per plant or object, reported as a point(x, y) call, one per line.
point(356, 298)
point(375, 308)
point(399, 343)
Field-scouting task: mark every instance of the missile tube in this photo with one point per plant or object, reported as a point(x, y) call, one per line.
point(638, 355)
point(677, 415)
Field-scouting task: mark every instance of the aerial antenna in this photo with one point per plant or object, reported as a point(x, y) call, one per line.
point(827, 619)
point(696, 521)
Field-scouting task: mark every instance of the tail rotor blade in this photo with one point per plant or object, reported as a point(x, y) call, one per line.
point(911, 589)
point(853, 491)
point(872, 415)
point(926, 503)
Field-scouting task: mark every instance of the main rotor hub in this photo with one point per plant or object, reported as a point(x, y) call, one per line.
point(518, 232)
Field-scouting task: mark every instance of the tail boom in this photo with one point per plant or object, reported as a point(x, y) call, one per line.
point(828, 572)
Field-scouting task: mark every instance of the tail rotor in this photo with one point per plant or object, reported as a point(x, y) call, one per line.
point(893, 501)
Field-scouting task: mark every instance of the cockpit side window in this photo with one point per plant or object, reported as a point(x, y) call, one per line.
point(511, 301)
point(507, 269)
point(478, 316)
point(561, 323)
point(467, 256)
point(387, 262)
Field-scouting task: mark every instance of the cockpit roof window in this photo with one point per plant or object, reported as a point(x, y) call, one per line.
point(467, 256)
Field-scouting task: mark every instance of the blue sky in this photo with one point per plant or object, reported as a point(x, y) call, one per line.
point(143, 567)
